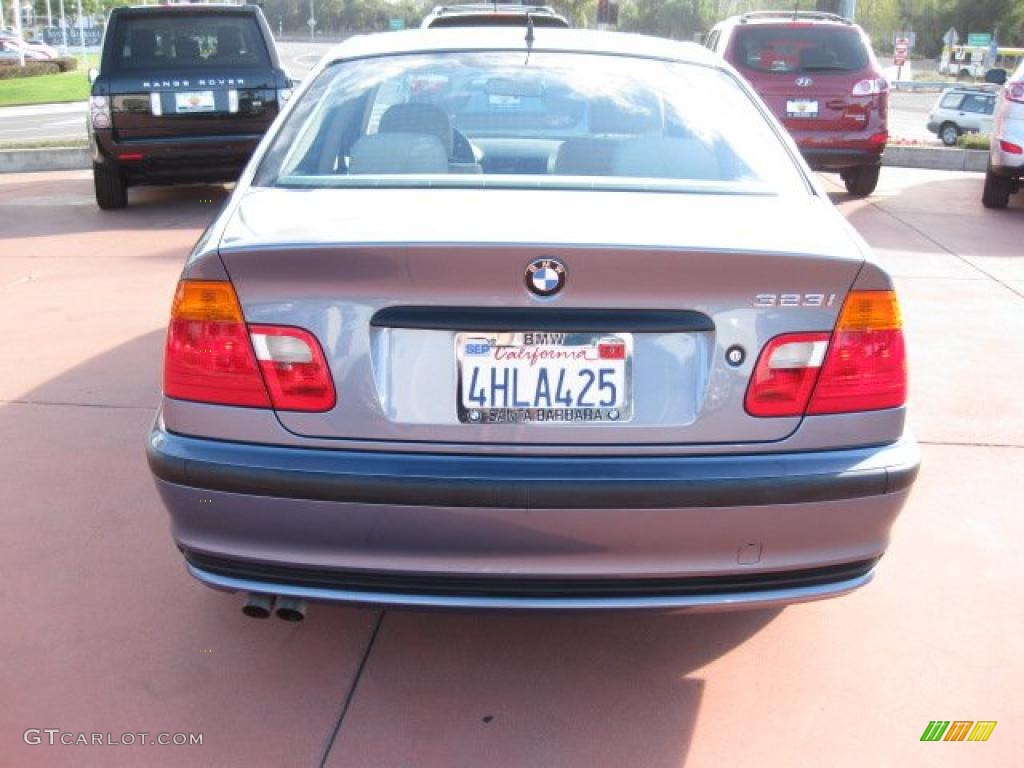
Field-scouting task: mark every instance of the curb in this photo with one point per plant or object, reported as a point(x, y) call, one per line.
point(936, 158)
point(47, 159)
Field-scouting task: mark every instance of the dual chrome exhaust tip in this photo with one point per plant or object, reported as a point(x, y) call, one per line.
point(259, 606)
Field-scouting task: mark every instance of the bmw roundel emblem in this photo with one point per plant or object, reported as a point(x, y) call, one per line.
point(545, 277)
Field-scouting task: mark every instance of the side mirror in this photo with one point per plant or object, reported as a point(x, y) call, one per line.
point(996, 76)
point(93, 74)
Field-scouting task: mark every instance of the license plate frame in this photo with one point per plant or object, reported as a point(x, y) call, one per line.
point(802, 109)
point(519, 348)
point(193, 102)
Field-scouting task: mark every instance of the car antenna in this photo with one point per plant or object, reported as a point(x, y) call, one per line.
point(529, 37)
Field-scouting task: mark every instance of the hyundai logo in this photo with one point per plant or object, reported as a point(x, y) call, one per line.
point(804, 82)
point(545, 277)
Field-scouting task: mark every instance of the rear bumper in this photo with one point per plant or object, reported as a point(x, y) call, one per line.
point(179, 159)
point(822, 159)
point(531, 532)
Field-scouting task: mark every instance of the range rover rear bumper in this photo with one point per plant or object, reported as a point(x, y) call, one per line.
point(176, 159)
point(530, 532)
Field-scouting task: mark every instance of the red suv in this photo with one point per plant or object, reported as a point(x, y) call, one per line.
point(817, 73)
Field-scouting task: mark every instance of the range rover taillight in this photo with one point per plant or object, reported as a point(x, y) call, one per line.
point(212, 356)
point(859, 366)
point(99, 112)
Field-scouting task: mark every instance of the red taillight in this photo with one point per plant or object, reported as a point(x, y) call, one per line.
point(213, 357)
point(1015, 92)
point(293, 367)
point(129, 156)
point(208, 357)
point(866, 365)
point(863, 369)
point(1010, 148)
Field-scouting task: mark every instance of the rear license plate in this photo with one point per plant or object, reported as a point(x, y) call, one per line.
point(579, 378)
point(194, 101)
point(805, 108)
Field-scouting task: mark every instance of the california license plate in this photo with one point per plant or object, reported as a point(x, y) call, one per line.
point(194, 101)
point(544, 377)
point(806, 108)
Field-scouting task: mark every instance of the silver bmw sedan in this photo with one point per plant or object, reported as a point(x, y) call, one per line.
point(520, 318)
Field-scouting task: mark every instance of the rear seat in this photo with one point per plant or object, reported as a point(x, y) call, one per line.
point(660, 157)
point(384, 153)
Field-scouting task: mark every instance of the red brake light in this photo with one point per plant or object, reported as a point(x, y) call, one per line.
point(293, 367)
point(213, 357)
point(1010, 148)
point(866, 365)
point(861, 366)
point(208, 357)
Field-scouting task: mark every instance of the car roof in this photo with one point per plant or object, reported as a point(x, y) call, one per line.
point(785, 18)
point(474, 8)
point(513, 38)
point(185, 7)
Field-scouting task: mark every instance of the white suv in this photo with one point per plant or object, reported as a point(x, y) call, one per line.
point(1006, 157)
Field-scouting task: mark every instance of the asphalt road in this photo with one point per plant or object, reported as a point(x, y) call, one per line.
point(908, 112)
point(103, 631)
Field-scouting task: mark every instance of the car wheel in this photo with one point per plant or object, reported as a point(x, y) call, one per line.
point(997, 190)
point(949, 133)
point(862, 180)
point(111, 188)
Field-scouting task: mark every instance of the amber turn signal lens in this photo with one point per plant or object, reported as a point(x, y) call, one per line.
point(209, 300)
point(870, 311)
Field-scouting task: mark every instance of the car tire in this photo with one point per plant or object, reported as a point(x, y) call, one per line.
point(111, 188)
point(862, 180)
point(997, 190)
point(949, 133)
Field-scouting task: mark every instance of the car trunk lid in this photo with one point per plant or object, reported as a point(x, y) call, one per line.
point(345, 263)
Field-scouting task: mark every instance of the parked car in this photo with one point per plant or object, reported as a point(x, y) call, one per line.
point(13, 49)
point(493, 15)
point(39, 46)
point(962, 109)
point(477, 328)
point(1006, 155)
point(184, 93)
point(820, 77)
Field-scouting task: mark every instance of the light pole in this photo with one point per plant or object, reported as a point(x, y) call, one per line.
point(63, 31)
point(312, 20)
point(49, 15)
point(81, 31)
point(17, 31)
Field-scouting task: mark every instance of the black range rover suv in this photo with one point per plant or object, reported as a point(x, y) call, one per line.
point(183, 94)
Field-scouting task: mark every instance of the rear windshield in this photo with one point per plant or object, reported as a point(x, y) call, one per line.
point(549, 119)
point(785, 49)
point(181, 41)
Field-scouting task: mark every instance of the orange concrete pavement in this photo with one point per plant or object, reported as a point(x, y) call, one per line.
point(102, 631)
